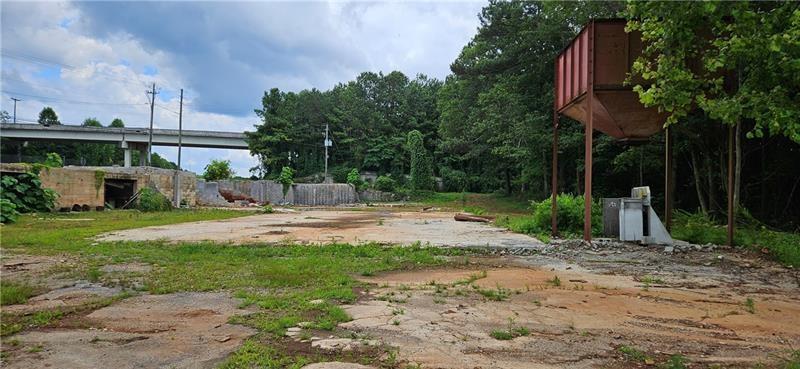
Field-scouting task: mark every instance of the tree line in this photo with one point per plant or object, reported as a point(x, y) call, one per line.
point(488, 126)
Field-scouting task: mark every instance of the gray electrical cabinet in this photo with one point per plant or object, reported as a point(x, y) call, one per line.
point(636, 219)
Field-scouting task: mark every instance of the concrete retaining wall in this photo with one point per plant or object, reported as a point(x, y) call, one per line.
point(308, 194)
point(324, 194)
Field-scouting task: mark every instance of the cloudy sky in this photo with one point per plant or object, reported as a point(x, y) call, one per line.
point(96, 59)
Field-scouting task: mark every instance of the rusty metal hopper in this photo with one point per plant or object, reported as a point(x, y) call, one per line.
point(599, 59)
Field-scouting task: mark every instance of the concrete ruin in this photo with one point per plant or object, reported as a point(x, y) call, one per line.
point(95, 188)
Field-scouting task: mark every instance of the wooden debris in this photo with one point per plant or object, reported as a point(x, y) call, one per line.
point(466, 217)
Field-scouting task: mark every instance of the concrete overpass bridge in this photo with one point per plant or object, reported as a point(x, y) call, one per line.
point(127, 138)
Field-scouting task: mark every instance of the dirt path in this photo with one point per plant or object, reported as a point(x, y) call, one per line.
point(320, 227)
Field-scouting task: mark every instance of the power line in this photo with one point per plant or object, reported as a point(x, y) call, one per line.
point(167, 109)
point(57, 99)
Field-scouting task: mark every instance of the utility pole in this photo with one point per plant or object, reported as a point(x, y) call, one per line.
point(152, 94)
point(327, 143)
point(180, 130)
point(177, 182)
point(15, 108)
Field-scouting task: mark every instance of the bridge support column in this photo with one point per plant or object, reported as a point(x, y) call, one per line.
point(127, 153)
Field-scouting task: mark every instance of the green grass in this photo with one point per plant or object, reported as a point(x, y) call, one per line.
point(750, 305)
point(16, 292)
point(498, 294)
point(502, 335)
point(46, 233)
point(699, 229)
point(675, 362)
point(633, 354)
point(510, 334)
point(475, 202)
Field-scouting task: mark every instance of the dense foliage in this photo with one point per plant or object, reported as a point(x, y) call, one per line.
point(385, 183)
point(217, 170)
point(735, 60)
point(23, 193)
point(421, 166)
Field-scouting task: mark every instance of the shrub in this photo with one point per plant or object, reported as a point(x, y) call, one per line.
point(569, 216)
point(286, 178)
point(354, 179)
point(267, 209)
point(153, 200)
point(339, 174)
point(454, 180)
point(53, 160)
point(385, 183)
point(24, 193)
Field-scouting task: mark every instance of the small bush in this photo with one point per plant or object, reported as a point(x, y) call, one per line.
point(354, 179)
point(339, 174)
point(502, 335)
point(385, 183)
point(153, 200)
point(53, 160)
point(286, 178)
point(267, 209)
point(570, 217)
point(633, 354)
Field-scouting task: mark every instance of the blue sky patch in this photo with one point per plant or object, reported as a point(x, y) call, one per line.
point(49, 73)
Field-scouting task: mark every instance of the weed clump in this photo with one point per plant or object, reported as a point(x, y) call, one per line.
point(153, 200)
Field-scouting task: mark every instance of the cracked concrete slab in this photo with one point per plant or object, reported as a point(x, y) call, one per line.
point(181, 330)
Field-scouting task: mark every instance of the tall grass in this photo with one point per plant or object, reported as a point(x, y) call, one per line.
point(699, 228)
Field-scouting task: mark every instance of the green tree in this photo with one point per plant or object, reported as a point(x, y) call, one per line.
point(734, 60)
point(117, 123)
point(218, 170)
point(94, 153)
point(48, 117)
point(272, 138)
point(91, 122)
point(421, 167)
